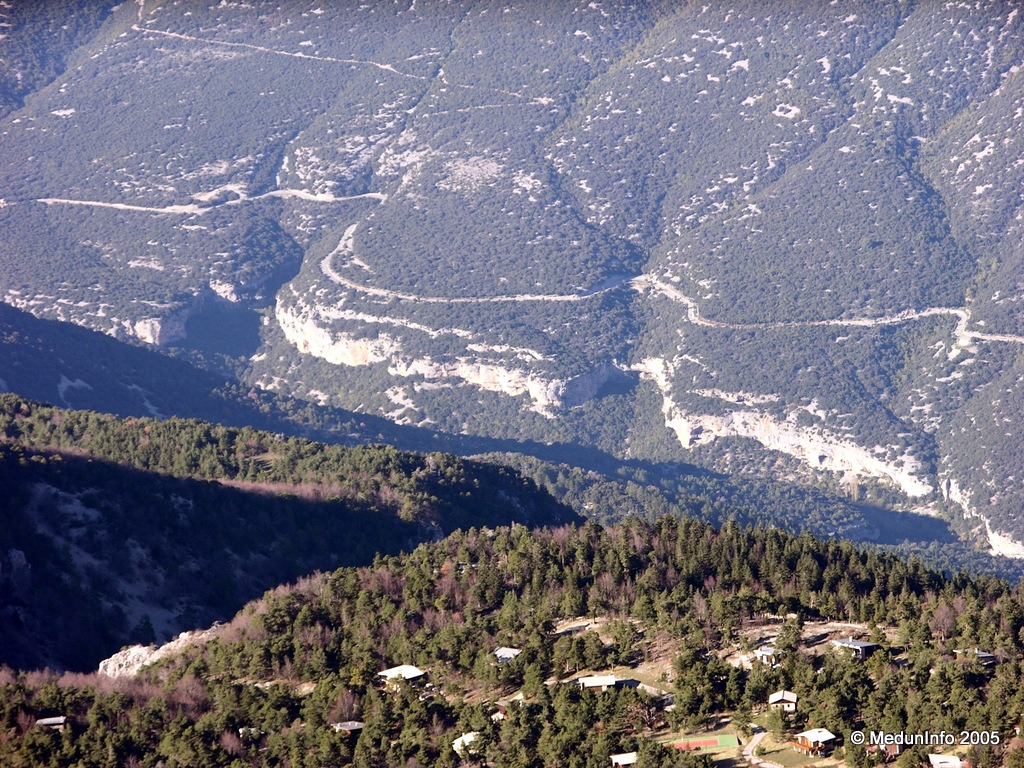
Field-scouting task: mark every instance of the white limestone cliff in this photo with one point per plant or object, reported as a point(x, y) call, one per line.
point(483, 367)
point(129, 661)
point(302, 330)
point(1000, 543)
point(159, 331)
point(814, 446)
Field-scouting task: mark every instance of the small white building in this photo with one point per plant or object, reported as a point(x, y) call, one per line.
point(784, 700)
point(626, 758)
point(56, 723)
point(945, 761)
point(405, 672)
point(596, 682)
point(463, 745)
point(505, 655)
point(767, 656)
point(348, 726)
point(605, 682)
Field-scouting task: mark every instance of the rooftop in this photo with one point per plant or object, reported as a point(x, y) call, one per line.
point(816, 735)
point(404, 671)
point(849, 642)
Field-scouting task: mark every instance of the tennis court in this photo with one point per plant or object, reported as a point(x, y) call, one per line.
point(706, 742)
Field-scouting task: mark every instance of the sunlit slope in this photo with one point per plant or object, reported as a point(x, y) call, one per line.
point(758, 236)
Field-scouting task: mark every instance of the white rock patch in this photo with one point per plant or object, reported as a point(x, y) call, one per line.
point(814, 447)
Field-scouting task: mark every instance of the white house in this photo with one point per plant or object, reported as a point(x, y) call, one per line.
point(945, 761)
point(605, 682)
point(57, 723)
point(626, 758)
point(767, 656)
point(462, 744)
point(784, 700)
point(598, 682)
point(505, 655)
point(402, 672)
point(348, 726)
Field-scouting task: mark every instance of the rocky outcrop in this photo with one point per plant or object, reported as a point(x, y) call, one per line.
point(814, 446)
point(160, 331)
point(129, 661)
point(546, 392)
point(227, 291)
point(1000, 543)
point(302, 330)
point(1003, 545)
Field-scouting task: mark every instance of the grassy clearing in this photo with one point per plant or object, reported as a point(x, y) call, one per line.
point(783, 754)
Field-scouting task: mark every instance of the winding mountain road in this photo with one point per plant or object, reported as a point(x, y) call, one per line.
point(291, 54)
point(964, 337)
point(199, 210)
point(537, 100)
point(961, 333)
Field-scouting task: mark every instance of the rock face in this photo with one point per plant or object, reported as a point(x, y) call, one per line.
point(814, 446)
point(337, 348)
point(431, 211)
point(227, 291)
point(999, 543)
point(129, 661)
point(489, 368)
point(547, 395)
point(159, 331)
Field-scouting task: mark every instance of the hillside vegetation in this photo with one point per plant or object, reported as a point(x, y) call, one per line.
point(757, 236)
point(122, 531)
point(674, 595)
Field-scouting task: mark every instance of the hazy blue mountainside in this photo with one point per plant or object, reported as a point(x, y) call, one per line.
point(762, 237)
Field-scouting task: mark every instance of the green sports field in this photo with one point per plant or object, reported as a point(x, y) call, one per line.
point(708, 742)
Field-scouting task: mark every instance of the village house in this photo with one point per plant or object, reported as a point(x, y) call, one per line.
point(985, 658)
point(767, 656)
point(784, 700)
point(605, 682)
point(503, 705)
point(945, 761)
point(625, 758)
point(462, 746)
point(859, 649)
point(889, 752)
point(409, 673)
point(348, 727)
point(815, 742)
point(505, 655)
point(55, 723)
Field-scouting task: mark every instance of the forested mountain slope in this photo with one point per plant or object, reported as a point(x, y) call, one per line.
point(295, 677)
point(118, 531)
point(757, 236)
